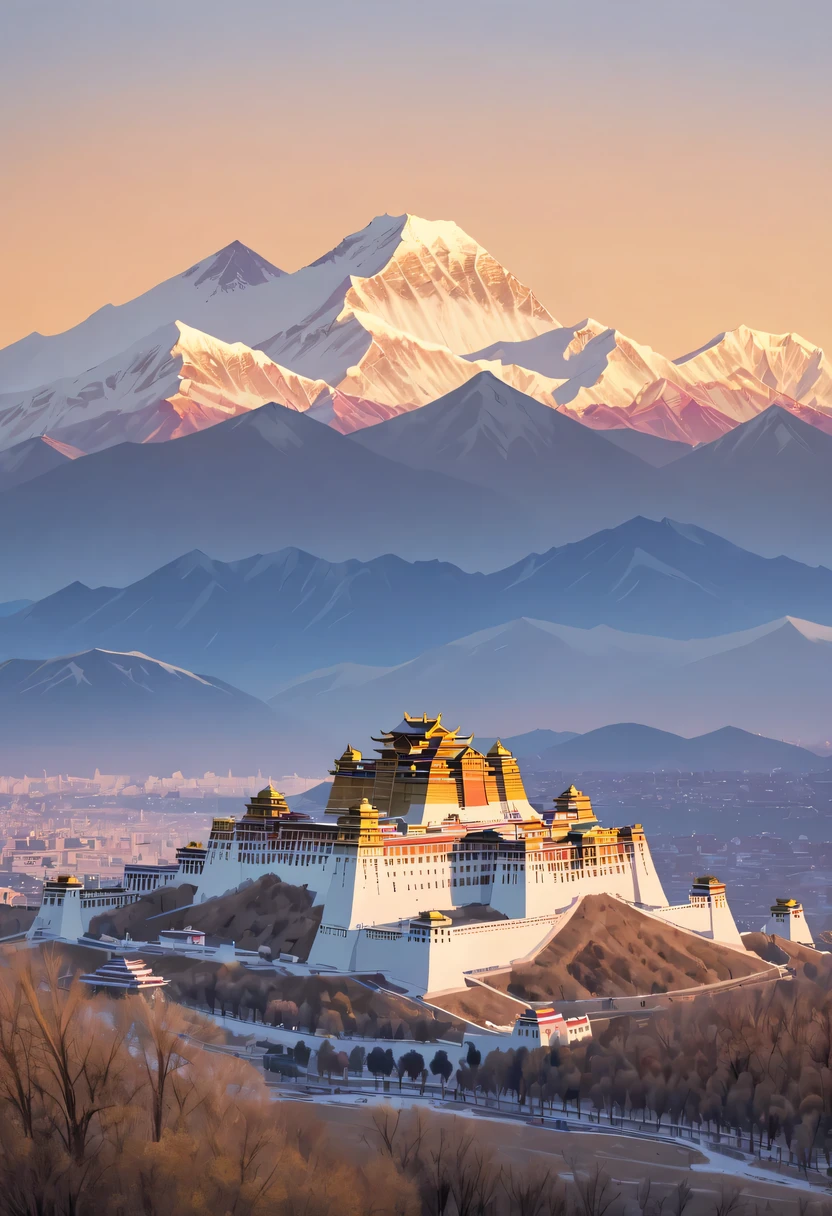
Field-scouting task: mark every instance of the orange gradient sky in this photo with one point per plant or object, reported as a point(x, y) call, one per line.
point(663, 167)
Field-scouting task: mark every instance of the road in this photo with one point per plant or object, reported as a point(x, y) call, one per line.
point(627, 1159)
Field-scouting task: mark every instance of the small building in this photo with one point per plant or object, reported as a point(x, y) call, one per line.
point(788, 921)
point(549, 1028)
point(172, 938)
point(124, 977)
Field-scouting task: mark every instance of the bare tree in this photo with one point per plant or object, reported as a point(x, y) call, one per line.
point(594, 1194)
point(159, 1030)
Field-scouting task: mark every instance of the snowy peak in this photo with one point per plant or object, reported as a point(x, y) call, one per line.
point(105, 669)
point(233, 268)
point(394, 317)
point(810, 630)
point(441, 286)
point(367, 250)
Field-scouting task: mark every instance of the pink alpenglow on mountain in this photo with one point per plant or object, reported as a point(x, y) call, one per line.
point(396, 316)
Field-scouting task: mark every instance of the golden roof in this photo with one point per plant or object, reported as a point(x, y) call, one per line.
point(350, 755)
point(498, 749)
point(268, 794)
point(432, 917)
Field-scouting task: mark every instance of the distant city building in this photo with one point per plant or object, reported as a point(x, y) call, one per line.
point(112, 784)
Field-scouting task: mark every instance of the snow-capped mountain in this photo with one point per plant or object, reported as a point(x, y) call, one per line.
point(378, 324)
point(132, 712)
point(223, 293)
point(608, 380)
point(396, 316)
point(526, 672)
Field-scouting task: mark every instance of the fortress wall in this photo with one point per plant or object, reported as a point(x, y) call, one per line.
point(716, 923)
point(437, 961)
point(649, 888)
point(222, 874)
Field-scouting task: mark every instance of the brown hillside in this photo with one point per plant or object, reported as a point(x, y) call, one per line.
point(265, 913)
point(478, 1005)
point(608, 948)
point(307, 1002)
point(807, 962)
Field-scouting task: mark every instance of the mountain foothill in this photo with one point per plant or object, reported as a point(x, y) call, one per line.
point(251, 506)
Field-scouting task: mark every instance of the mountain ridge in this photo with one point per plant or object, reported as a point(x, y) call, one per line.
point(644, 576)
point(771, 680)
point(393, 317)
point(257, 476)
point(128, 712)
point(630, 746)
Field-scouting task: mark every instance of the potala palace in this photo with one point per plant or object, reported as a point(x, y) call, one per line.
point(429, 862)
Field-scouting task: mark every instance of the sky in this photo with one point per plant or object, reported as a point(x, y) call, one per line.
point(664, 166)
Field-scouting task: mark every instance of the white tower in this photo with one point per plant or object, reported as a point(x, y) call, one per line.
point(789, 921)
point(707, 895)
point(60, 909)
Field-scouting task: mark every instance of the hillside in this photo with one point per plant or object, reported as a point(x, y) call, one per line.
point(29, 459)
point(306, 1002)
point(608, 948)
point(761, 485)
point(266, 913)
point(808, 963)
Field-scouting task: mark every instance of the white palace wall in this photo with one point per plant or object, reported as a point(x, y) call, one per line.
point(715, 923)
point(428, 959)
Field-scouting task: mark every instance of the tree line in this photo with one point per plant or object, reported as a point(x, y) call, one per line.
point(752, 1064)
point(116, 1108)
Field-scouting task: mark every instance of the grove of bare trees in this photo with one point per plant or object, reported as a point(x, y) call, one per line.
point(111, 1108)
point(120, 1108)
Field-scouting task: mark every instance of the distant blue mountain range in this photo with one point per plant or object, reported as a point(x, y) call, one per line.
point(265, 619)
